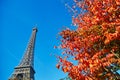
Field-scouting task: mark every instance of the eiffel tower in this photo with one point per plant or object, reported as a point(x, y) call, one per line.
point(25, 70)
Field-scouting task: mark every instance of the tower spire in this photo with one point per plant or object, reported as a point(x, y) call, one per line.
point(25, 69)
point(28, 58)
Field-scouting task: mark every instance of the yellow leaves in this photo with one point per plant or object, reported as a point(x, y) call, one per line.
point(65, 69)
point(81, 60)
point(106, 41)
point(94, 64)
point(97, 61)
point(91, 65)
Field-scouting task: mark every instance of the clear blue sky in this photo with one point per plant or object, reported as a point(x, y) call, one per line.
point(17, 18)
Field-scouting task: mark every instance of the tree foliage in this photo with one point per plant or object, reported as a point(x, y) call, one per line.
point(92, 50)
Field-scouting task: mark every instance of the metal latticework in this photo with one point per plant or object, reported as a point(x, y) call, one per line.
point(25, 70)
point(28, 58)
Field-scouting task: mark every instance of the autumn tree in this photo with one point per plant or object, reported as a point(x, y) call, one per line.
point(92, 50)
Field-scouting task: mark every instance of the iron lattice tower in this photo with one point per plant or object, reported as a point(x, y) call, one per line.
point(25, 70)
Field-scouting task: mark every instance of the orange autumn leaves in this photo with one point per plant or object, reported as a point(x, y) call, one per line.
point(92, 50)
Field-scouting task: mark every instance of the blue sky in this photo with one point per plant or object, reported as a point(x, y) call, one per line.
point(17, 18)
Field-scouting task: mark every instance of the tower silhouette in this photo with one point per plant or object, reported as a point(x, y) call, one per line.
point(25, 69)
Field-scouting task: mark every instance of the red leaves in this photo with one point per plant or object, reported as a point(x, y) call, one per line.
point(76, 21)
point(65, 69)
point(110, 37)
point(92, 46)
point(58, 66)
point(117, 2)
